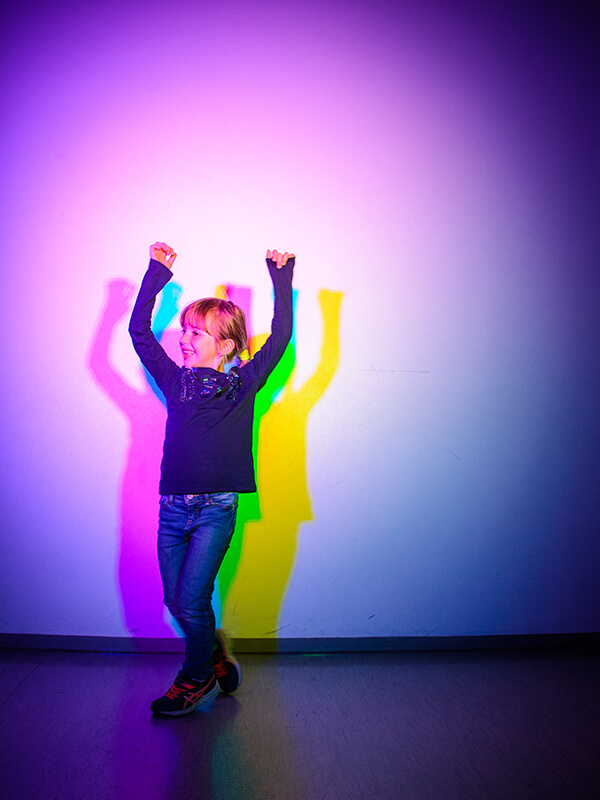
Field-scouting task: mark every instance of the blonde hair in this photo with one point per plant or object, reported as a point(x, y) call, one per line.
point(222, 319)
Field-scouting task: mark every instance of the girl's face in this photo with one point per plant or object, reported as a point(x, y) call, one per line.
point(198, 346)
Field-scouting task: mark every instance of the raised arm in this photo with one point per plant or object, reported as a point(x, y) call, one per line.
point(151, 354)
point(281, 270)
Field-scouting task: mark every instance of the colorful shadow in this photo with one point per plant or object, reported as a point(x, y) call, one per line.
point(137, 572)
point(259, 563)
point(258, 566)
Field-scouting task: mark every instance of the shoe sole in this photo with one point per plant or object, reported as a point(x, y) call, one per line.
point(204, 699)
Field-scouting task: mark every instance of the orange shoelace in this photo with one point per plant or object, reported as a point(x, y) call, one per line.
point(177, 689)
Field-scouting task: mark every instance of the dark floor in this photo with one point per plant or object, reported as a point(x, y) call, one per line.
point(487, 724)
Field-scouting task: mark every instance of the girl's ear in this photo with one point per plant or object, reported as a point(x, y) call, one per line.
point(226, 347)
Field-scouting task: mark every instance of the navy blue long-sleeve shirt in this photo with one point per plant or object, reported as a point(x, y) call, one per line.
point(208, 436)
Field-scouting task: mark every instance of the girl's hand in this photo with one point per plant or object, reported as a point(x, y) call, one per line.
point(160, 251)
point(280, 259)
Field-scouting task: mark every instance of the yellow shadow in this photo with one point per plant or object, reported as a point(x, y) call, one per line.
point(257, 569)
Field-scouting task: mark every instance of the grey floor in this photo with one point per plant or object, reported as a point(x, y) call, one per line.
point(487, 724)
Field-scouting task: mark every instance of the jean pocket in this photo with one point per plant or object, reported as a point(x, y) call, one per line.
point(165, 500)
point(225, 499)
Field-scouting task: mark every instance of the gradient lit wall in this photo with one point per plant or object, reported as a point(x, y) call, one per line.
point(428, 454)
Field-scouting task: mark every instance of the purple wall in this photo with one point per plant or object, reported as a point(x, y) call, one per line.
point(435, 168)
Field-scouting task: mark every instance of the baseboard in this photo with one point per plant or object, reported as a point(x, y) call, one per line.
point(366, 644)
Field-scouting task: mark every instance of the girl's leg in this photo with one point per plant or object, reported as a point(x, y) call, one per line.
point(173, 540)
point(189, 582)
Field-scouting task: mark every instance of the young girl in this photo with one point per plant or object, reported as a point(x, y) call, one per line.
point(207, 459)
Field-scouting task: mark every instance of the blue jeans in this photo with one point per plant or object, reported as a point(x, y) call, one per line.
point(194, 532)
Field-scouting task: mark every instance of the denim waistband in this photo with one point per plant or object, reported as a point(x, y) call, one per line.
point(205, 497)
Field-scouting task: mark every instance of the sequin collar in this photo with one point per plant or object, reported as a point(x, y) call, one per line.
point(209, 385)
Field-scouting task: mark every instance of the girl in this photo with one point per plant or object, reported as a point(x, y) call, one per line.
point(207, 459)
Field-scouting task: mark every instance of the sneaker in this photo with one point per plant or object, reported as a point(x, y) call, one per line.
point(227, 670)
point(185, 695)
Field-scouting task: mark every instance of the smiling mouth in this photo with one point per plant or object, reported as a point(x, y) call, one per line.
point(187, 352)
